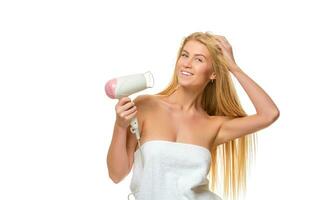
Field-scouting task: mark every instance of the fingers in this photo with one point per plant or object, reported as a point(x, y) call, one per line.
point(220, 37)
point(124, 104)
point(222, 44)
point(125, 111)
point(123, 101)
point(220, 40)
point(223, 41)
point(127, 106)
point(129, 113)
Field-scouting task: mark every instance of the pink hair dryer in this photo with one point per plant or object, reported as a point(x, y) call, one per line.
point(126, 85)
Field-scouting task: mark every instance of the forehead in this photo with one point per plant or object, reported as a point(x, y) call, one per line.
point(195, 47)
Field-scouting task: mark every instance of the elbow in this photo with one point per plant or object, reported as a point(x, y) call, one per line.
point(117, 174)
point(115, 179)
point(273, 116)
point(276, 114)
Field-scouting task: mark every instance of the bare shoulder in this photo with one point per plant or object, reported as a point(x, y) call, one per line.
point(143, 99)
point(220, 120)
point(143, 105)
point(217, 119)
point(146, 102)
point(224, 118)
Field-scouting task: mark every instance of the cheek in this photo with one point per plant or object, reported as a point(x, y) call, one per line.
point(207, 67)
point(205, 72)
point(204, 69)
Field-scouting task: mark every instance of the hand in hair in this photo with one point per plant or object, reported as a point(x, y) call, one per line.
point(227, 52)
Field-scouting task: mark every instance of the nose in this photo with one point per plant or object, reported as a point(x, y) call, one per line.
point(187, 63)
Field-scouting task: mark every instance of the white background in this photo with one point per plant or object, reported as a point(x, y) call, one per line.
point(55, 56)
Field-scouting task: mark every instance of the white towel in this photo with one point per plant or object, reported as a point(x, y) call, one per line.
point(172, 171)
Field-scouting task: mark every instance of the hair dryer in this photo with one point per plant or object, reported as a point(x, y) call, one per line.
point(126, 85)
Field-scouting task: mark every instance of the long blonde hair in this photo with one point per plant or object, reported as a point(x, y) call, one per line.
point(220, 98)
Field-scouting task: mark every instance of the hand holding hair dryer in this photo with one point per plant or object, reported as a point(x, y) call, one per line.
point(126, 85)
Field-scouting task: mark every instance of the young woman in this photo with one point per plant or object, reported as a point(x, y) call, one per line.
point(194, 126)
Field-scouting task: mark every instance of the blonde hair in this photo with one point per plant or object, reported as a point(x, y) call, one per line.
point(220, 98)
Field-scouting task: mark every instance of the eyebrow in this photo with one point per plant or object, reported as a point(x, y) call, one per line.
point(198, 54)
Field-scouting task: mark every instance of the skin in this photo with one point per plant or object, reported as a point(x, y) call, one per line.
point(194, 58)
point(180, 118)
point(189, 123)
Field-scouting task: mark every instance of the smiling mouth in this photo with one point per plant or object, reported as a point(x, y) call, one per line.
point(186, 74)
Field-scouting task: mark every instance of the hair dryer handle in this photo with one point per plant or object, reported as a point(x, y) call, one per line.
point(135, 127)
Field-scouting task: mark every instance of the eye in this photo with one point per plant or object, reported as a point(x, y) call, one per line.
point(200, 60)
point(183, 55)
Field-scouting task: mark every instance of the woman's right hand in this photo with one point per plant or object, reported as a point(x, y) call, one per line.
point(125, 111)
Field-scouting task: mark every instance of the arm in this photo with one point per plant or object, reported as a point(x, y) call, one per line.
point(117, 158)
point(266, 110)
point(118, 152)
point(121, 151)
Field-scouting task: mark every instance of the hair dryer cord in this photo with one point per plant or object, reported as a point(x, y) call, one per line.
point(135, 130)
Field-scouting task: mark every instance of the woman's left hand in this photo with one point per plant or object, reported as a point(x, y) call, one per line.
point(227, 52)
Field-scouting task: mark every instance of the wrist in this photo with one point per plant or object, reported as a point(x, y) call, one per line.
point(235, 69)
point(120, 126)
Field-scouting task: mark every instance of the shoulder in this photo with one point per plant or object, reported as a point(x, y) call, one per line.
point(218, 120)
point(221, 119)
point(224, 118)
point(146, 100)
point(142, 100)
point(148, 105)
point(143, 103)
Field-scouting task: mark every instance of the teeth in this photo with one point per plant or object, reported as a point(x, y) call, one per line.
point(186, 73)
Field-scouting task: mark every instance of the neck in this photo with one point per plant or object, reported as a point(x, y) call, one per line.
point(187, 100)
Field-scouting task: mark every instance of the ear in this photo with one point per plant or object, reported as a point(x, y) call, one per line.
point(213, 75)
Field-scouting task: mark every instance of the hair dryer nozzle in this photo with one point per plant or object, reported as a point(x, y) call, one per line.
point(110, 87)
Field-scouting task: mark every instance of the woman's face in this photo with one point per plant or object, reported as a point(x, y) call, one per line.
point(195, 59)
